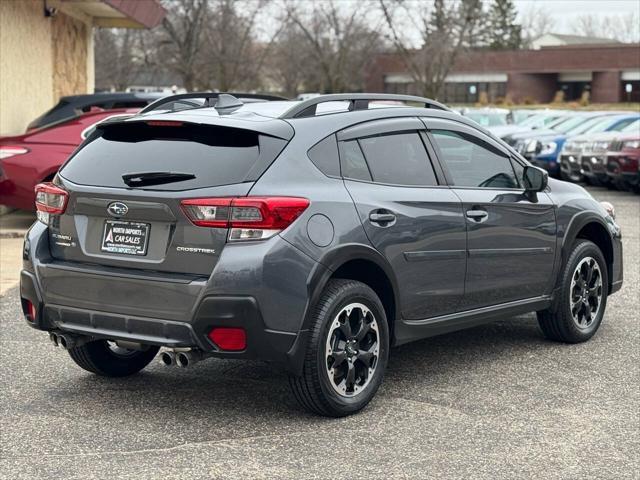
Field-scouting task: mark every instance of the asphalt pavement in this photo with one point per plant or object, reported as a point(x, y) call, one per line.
point(495, 402)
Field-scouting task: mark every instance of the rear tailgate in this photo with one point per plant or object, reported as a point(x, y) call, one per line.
point(140, 224)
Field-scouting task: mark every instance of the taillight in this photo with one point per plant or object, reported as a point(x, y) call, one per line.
point(248, 218)
point(232, 339)
point(7, 151)
point(50, 200)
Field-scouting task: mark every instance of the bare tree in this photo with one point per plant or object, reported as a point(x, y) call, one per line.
point(623, 28)
point(339, 39)
point(290, 64)
point(444, 33)
point(536, 22)
point(181, 39)
point(120, 56)
point(234, 57)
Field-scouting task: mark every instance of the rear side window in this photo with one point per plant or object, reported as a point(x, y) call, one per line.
point(354, 166)
point(472, 162)
point(324, 155)
point(212, 155)
point(399, 159)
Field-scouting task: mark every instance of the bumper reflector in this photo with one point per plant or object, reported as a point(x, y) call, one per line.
point(31, 311)
point(229, 338)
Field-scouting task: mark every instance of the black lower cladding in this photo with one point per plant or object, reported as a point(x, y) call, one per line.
point(216, 311)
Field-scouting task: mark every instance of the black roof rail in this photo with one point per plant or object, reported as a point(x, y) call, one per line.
point(359, 101)
point(207, 96)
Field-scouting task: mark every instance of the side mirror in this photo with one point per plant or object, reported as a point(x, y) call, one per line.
point(535, 179)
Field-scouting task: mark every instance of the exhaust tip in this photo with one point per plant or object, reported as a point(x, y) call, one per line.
point(182, 359)
point(62, 341)
point(54, 339)
point(168, 358)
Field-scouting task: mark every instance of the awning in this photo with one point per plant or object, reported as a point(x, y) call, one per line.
point(121, 13)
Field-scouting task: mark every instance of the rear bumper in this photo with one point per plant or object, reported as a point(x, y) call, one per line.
point(84, 302)
point(243, 312)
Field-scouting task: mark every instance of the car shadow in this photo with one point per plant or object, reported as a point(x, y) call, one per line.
point(257, 388)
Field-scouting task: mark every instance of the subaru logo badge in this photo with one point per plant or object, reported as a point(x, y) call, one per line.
point(117, 209)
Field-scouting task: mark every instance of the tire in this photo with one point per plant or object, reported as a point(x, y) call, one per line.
point(99, 358)
point(314, 389)
point(559, 323)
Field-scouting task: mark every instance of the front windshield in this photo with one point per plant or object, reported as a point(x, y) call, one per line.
point(570, 123)
point(558, 123)
point(534, 120)
point(488, 119)
point(589, 126)
point(633, 127)
point(602, 126)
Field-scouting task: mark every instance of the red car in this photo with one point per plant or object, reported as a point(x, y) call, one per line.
point(35, 156)
point(623, 162)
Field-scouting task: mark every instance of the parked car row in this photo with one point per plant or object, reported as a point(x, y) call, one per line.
point(601, 148)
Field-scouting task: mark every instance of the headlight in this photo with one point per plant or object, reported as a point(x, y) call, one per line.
point(609, 208)
point(531, 146)
point(549, 148)
point(599, 146)
point(631, 144)
point(8, 151)
point(569, 146)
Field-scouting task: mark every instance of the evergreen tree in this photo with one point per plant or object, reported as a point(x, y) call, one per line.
point(503, 31)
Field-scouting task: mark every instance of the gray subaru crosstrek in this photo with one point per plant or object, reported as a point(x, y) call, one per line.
point(314, 235)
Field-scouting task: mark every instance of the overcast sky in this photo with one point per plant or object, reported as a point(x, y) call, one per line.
point(566, 11)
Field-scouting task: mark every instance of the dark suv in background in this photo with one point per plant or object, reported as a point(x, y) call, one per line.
point(313, 234)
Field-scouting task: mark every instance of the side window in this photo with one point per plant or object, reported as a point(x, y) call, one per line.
point(399, 159)
point(472, 162)
point(353, 163)
point(324, 155)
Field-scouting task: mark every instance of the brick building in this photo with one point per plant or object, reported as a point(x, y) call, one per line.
point(608, 71)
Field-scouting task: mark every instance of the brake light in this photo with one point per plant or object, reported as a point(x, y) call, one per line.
point(50, 200)
point(164, 123)
point(229, 338)
point(249, 218)
point(7, 151)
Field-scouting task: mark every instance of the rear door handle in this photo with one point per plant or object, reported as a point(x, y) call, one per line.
point(382, 216)
point(477, 215)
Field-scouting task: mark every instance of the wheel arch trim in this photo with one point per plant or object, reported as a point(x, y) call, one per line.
point(575, 226)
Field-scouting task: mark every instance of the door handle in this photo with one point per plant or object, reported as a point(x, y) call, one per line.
point(477, 215)
point(382, 217)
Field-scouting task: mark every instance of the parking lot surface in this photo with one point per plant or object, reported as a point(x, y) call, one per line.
point(497, 401)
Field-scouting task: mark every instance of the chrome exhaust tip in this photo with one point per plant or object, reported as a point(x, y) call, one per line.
point(65, 341)
point(183, 359)
point(54, 339)
point(168, 358)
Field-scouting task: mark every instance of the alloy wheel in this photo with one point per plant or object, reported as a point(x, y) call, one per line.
point(586, 292)
point(352, 349)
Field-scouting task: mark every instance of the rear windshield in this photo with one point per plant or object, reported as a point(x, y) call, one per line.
point(208, 155)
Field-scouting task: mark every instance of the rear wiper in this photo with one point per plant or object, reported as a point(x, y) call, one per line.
point(155, 178)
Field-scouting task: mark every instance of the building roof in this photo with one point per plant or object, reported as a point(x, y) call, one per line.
point(573, 58)
point(578, 39)
point(120, 13)
point(558, 40)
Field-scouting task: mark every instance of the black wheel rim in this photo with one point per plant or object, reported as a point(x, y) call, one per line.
point(586, 292)
point(352, 349)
